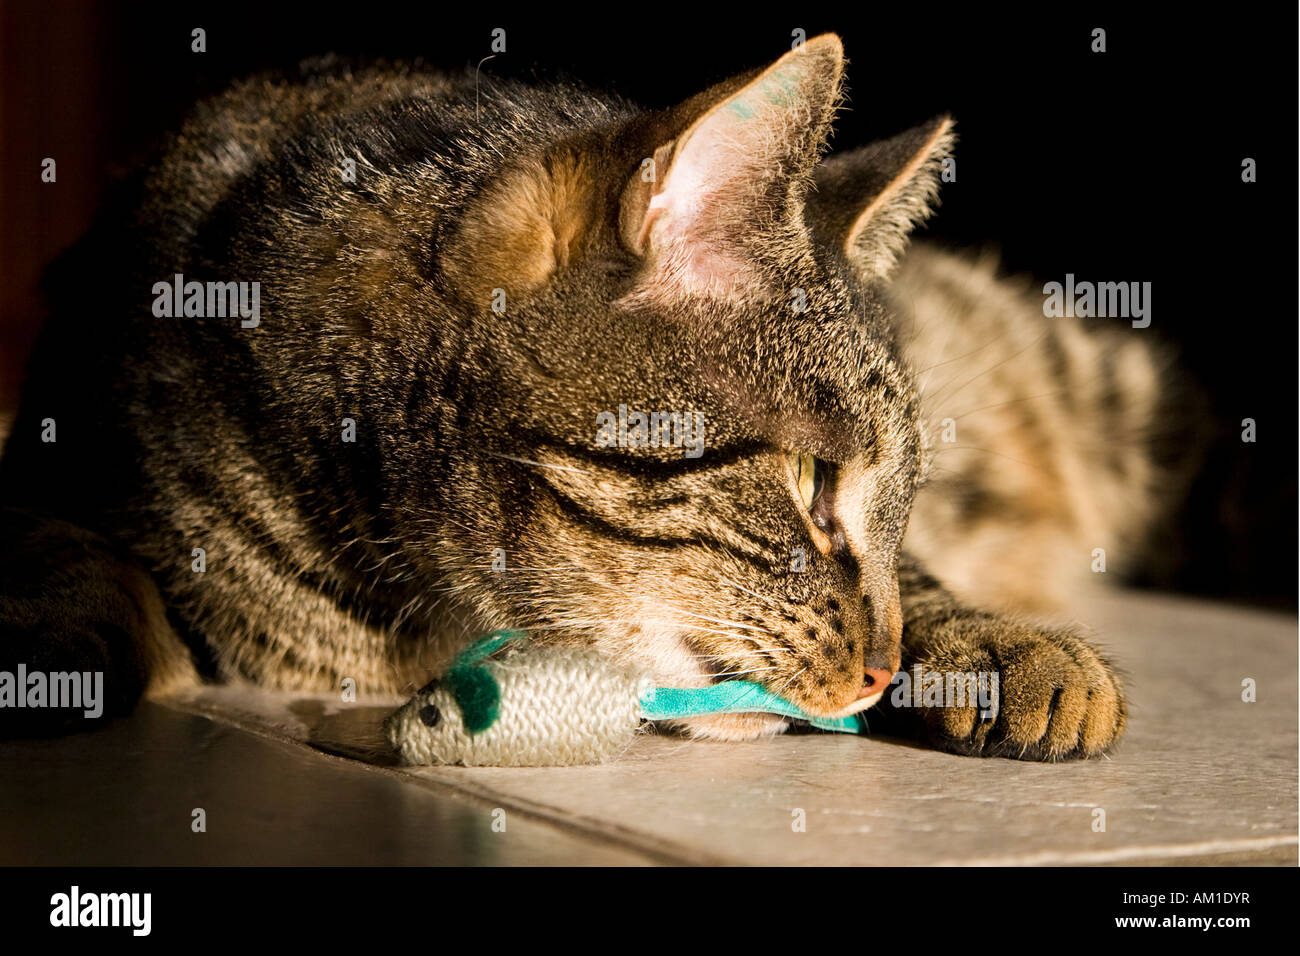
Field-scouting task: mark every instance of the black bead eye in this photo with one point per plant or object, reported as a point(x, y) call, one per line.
point(430, 715)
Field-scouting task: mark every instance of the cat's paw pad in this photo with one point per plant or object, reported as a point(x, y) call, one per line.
point(1056, 697)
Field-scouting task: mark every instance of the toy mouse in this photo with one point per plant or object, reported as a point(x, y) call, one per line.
point(505, 702)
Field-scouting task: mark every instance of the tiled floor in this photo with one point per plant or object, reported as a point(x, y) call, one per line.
point(1203, 777)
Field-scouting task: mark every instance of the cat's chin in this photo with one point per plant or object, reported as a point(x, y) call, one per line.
point(732, 726)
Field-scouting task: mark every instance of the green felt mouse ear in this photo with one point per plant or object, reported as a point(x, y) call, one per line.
point(475, 690)
point(477, 694)
point(486, 647)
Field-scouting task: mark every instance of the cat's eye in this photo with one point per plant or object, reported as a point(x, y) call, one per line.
point(809, 476)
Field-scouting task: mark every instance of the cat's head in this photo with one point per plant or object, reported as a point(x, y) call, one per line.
point(701, 278)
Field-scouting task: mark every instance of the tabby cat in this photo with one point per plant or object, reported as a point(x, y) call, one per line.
point(404, 450)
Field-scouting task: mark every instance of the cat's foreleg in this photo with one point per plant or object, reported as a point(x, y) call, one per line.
point(1054, 695)
point(83, 629)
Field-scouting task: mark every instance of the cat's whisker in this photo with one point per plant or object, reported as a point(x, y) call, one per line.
point(1072, 388)
point(989, 451)
point(731, 675)
point(788, 681)
point(717, 620)
point(924, 384)
point(955, 358)
point(947, 395)
point(740, 587)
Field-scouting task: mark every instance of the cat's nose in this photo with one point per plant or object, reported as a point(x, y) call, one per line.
point(874, 681)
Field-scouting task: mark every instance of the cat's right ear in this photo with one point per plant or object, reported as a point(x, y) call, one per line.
point(735, 173)
point(868, 200)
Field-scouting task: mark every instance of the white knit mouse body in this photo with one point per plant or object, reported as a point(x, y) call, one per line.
point(558, 706)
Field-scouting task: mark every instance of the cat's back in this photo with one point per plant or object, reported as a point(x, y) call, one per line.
point(1052, 439)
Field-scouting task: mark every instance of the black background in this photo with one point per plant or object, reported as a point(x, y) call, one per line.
point(394, 906)
point(1120, 166)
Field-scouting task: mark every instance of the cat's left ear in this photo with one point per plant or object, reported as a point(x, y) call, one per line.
point(868, 200)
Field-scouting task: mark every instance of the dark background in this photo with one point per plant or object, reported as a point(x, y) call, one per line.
point(1122, 166)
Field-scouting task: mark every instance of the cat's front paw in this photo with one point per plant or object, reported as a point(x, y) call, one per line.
point(1054, 697)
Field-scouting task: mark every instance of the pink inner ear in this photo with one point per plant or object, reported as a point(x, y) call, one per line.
point(686, 225)
point(700, 169)
point(693, 222)
point(724, 178)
